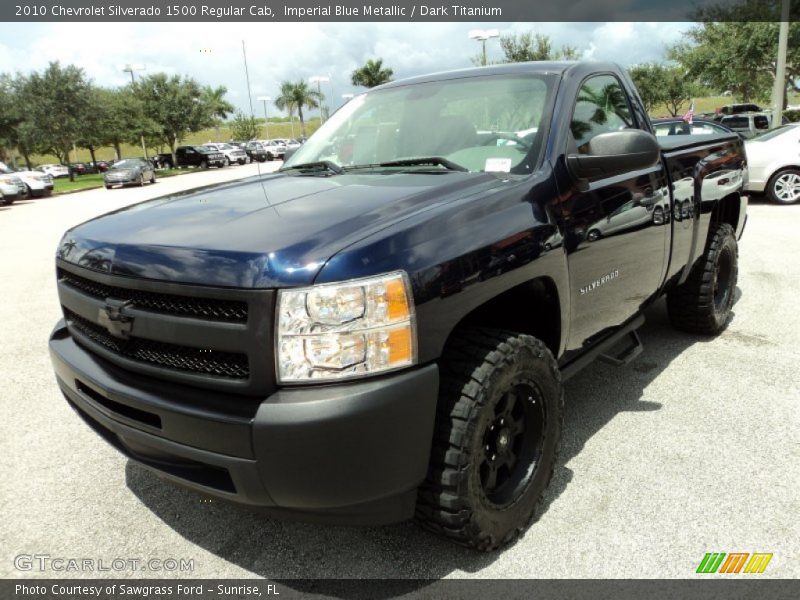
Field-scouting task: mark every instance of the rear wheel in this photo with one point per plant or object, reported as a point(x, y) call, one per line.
point(704, 302)
point(141, 180)
point(784, 186)
point(153, 178)
point(498, 429)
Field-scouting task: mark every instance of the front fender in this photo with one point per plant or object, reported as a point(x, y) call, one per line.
point(463, 255)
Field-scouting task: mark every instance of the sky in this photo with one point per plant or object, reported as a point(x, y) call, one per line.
point(212, 52)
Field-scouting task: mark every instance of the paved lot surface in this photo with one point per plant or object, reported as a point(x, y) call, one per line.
point(695, 447)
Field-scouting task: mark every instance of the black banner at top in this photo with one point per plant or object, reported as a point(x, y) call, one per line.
point(388, 10)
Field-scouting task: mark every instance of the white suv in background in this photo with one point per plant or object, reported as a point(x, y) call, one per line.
point(275, 149)
point(54, 170)
point(11, 188)
point(37, 183)
point(232, 153)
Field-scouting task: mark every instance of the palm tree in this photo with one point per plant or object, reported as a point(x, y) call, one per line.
point(371, 74)
point(214, 99)
point(295, 96)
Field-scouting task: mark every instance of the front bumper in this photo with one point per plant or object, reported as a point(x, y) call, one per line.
point(347, 453)
point(121, 181)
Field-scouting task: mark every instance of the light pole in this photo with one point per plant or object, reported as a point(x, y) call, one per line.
point(779, 88)
point(319, 79)
point(482, 35)
point(265, 99)
point(130, 68)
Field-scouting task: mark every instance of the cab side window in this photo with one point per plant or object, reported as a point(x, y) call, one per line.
point(602, 106)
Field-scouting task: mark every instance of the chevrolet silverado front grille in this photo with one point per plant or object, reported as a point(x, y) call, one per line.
point(171, 356)
point(210, 337)
point(202, 308)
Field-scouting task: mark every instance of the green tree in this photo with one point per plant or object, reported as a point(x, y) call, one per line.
point(650, 81)
point(56, 103)
point(373, 73)
point(734, 47)
point(17, 130)
point(175, 105)
point(295, 96)
point(124, 119)
point(9, 115)
point(528, 46)
point(678, 89)
point(243, 127)
point(214, 98)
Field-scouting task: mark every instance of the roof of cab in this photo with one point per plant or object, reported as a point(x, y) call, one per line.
point(556, 67)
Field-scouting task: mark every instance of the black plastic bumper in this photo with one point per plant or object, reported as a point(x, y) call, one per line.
point(349, 453)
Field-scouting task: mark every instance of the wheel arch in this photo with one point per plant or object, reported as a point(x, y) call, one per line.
point(728, 210)
point(533, 307)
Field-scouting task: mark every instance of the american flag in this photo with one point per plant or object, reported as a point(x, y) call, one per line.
point(689, 116)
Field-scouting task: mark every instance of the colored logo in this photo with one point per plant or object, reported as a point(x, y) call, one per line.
point(734, 562)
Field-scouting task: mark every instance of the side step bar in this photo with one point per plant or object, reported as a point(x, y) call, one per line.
point(626, 355)
point(601, 349)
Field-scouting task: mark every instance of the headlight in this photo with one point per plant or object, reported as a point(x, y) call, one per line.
point(344, 330)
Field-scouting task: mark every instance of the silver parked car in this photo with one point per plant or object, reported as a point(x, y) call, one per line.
point(130, 171)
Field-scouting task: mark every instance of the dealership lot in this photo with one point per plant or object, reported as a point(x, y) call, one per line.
point(693, 448)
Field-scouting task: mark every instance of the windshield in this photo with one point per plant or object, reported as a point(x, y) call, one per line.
point(490, 123)
point(127, 164)
point(774, 133)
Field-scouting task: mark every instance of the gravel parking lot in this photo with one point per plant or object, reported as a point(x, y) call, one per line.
point(693, 448)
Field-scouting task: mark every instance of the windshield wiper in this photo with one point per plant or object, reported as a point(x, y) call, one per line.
point(438, 161)
point(318, 165)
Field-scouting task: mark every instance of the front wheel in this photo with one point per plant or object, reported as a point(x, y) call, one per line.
point(784, 187)
point(204, 164)
point(704, 302)
point(498, 429)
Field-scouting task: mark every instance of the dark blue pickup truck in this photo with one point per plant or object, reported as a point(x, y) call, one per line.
point(381, 329)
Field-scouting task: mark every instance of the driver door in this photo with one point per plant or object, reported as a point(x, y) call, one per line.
point(615, 261)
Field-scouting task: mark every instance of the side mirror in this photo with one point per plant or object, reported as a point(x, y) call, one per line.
point(615, 153)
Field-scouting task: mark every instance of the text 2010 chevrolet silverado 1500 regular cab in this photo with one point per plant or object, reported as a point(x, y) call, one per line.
point(381, 329)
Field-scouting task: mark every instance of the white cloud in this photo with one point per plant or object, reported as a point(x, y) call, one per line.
point(212, 52)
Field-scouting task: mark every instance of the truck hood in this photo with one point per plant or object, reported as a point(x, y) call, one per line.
point(260, 232)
